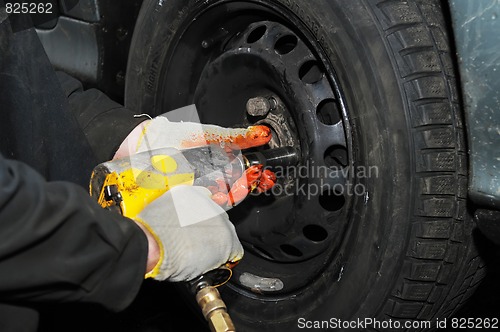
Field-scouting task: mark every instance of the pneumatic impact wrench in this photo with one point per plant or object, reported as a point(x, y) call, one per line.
point(129, 184)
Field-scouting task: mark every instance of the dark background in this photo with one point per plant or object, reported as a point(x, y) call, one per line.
point(159, 307)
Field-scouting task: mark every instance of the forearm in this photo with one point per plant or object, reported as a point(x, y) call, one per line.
point(104, 122)
point(57, 244)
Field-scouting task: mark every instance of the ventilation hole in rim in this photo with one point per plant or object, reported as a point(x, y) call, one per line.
point(291, 250)
point(328, 112)
point(285, 44)
point(310, 72)
point(335, 157)
point(315, 233)
point(256, 34)
point(331, 200)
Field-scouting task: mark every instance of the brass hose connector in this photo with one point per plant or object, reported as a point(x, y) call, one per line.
point(214, 310)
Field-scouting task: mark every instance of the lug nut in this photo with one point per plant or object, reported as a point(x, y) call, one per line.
point(260, 106)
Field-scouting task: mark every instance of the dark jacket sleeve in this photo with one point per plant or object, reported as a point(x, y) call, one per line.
point(58, 245)
point(104, 122)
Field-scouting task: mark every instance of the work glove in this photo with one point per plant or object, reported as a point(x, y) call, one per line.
point(160, 132)
point(194, 234)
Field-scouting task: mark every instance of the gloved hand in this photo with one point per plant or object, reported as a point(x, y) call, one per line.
point(194, 234)
point(159, 133)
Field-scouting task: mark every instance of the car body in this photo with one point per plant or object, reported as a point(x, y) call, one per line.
point(475, 27)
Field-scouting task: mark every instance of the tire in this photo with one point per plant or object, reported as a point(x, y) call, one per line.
point(403, 249)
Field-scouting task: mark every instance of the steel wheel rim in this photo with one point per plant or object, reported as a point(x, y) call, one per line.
point(257, 51)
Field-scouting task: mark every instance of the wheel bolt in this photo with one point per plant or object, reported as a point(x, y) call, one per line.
point(260, 106)
point(219, 35)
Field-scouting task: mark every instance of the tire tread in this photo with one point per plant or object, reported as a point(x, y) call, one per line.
point(438, 273)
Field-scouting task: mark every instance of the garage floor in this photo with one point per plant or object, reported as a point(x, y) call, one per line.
point(155, 309)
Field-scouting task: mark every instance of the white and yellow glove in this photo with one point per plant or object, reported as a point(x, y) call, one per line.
point(194, 234)
point(160, 132)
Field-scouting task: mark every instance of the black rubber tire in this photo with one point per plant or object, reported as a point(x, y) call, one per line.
point(409, 253)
